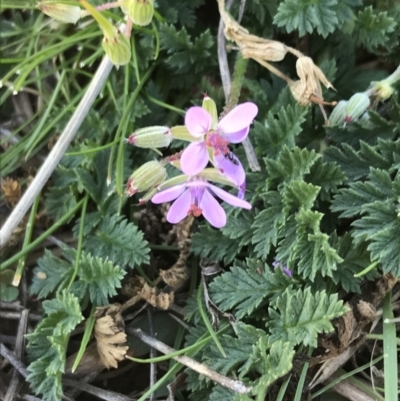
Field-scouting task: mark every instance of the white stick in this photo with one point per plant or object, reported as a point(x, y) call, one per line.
point(57, 152)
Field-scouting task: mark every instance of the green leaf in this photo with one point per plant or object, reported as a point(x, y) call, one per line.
point(381, 226)
point(327, 176)
point(244, 290)
point(214, 245)
point(273, 361)
point(279, 130)
point(298, 194)
point(267, 225)
point(237, 350)
point(306, 16)
point(314, 253)
point(100, 278)
point(291, 164)
point(239, 228)
point(49, 275)
point(48, 345)
point(300, 317)
point(184, 54)
point(118, 240)
point(372, 28)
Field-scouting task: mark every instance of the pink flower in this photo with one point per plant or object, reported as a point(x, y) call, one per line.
point(196, 197)
point(233, 128)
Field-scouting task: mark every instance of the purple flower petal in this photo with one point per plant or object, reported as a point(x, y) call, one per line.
point(239, 136)
point(242, 190)
point(179, 209)
point(198, 121)
point(194, 158)
point(168, 194)
point(238, 118)
point(229, 198)
point(212, 210)
point(231, 168)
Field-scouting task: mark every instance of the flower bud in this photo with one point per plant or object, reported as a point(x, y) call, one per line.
point(66, 13)
point(338, 114)
point(115, 44)
point(211, 107)
point(140, 11)
point(356, 106)
point(182, 133)
point(384, 89)
point(151, 137)
point(148, 176)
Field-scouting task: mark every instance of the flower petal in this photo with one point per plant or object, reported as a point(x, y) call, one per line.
point(238, 118)
point(231, 168)
point(198, 121)
point(229, 198)
point(239, 136)
point(179, 209)
point(168, 194)
point(212, 210)
point(194, 158)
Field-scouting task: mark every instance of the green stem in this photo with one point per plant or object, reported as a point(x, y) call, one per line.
point(206, 320)
point(86, 337)
point(80, 241)
point(91, 150)
point(27, 239)
point(390, 366)
point(41, 238)
point(236, 85)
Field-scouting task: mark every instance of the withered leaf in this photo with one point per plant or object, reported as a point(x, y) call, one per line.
point(110, 335)
point(11, 190)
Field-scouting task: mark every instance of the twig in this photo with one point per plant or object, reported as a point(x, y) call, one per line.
point(57, 152)
point(16, 382)
point(234, 385)
point(98, 392)
point(153, 353)
point(17, 316)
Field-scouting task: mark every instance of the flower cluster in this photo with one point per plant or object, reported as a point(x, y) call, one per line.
point(192, 192)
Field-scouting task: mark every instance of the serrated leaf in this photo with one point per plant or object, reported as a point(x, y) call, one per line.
point(291, 164)
point(274, 361)
point(300, 317)
point(239, 227)
point(244, 290)
point(118, 240)
point(237, 350)
point(100, 278)
point(185, 54)
point(372, 28)
point(267, 225)
point(279, 130)
point(327, 176)
point(48, 345)
point(299, 194)
point(214, 245)
point(50, 273)
point(313, 250)
point(306, 16)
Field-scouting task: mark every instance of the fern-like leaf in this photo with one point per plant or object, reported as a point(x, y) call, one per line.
point(118, 240)
point(99, 278)
point(244, 290)
point(300, 317)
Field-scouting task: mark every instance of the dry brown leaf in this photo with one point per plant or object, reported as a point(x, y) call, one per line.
point(176, 276)
point(110, 335)
point(11, 190)
point(161, 300)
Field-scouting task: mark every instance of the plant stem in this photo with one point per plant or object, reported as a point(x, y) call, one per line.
point(57, 152)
